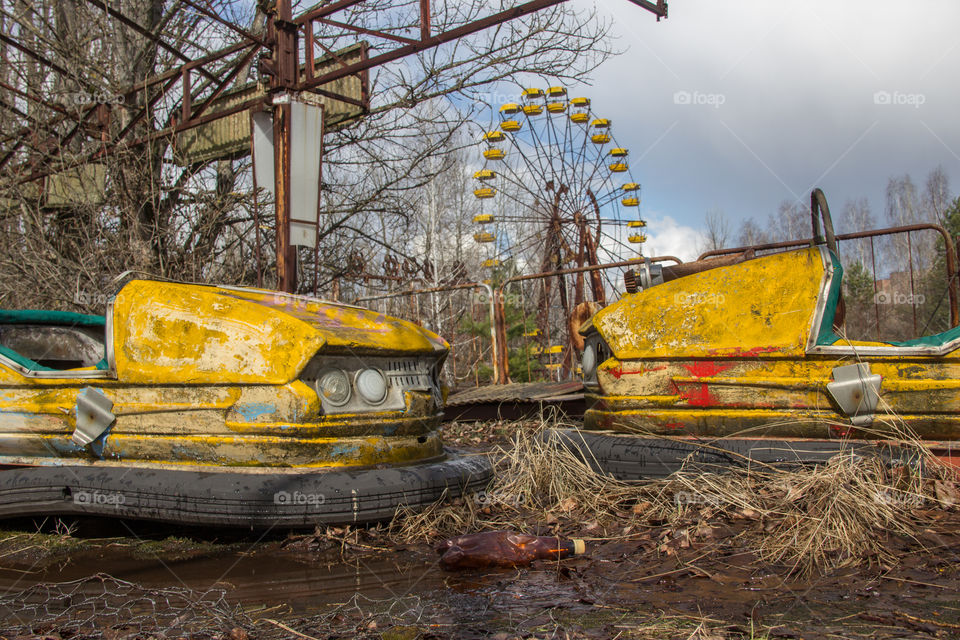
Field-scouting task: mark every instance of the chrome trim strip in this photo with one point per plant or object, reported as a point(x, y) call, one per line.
point(69, 374)
point(822, 295)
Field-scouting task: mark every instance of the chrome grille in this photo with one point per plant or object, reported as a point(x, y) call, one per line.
point(410, 374)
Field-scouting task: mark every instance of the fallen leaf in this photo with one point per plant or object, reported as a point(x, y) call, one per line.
point(641, 507)
point(947, 493)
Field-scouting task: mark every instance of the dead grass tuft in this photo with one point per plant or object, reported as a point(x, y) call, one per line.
point(811, 519)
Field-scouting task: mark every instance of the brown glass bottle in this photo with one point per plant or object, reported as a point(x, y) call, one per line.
point(503, 549)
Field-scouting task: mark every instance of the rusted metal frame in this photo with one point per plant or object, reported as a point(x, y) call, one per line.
point(170, 77)
point(33, 54)
point(316, 243)
point(659, 9)
point(282, 201)
point(147, 107)
point(594, 267)
point(322, 12)
point(186, 104)
point(238, 67)
point(102, 151)
point(198, 63)
point(37, 99)
point(256, 208)
point(166, 76)
point(441, 38)
point(336, 96)
point(843, 236)
point(159, 41)
point(286, 57)
point(493, 307)
point(242, 32)
point(364, 77)
point(913, 301)
point(156, 135)
point(308, 61)
point(327, 50)
point(949, 250)
point(193, 64)
point(365, 31)
point(358, 67)
point(502, 354)
point(424, 19)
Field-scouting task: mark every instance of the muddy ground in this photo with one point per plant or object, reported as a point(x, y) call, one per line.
point(638, 579)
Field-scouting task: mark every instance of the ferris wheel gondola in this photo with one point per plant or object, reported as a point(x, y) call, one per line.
point(553, 181)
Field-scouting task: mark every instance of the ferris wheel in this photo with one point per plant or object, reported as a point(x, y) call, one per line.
point(556, 189)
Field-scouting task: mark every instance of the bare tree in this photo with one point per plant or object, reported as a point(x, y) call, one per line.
point(857, 216)
point(717, 232)
point(196, 222)
point(790, 222)
point(751, 233)
point(904, 206)
point(936, 196)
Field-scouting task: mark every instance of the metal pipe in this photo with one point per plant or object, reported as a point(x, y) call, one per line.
point(453, 287)
point(504, 364)
point(950, 251)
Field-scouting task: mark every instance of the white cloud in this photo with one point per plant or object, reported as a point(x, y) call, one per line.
point(786, 100)
point(667, 237)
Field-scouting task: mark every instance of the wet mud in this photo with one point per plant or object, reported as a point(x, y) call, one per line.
point(651, 584)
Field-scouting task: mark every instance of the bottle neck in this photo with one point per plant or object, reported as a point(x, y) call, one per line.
point(567, 548)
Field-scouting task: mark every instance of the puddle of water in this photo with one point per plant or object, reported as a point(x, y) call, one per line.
point(263, 577)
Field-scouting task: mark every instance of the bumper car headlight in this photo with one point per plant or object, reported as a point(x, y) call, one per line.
point(589, 360)
point(333, 386)
point(595, 352)
point(371, 384)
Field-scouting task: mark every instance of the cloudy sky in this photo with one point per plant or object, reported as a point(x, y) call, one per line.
point(738, 105)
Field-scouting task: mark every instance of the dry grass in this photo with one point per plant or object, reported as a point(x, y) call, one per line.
point(533, 483)
point(811, 519)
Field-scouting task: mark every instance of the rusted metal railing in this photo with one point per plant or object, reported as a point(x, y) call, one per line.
point(417, 316)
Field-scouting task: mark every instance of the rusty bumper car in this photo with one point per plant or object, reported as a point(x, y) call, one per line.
point(222, 406)
point(746, 363)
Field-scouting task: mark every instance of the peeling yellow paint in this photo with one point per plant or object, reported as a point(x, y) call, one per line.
point(725, 351)
point(208, 376)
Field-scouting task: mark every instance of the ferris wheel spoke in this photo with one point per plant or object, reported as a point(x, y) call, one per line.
point(561, 147)
point(531, 124)
point(580, 159)
point(557, 202)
